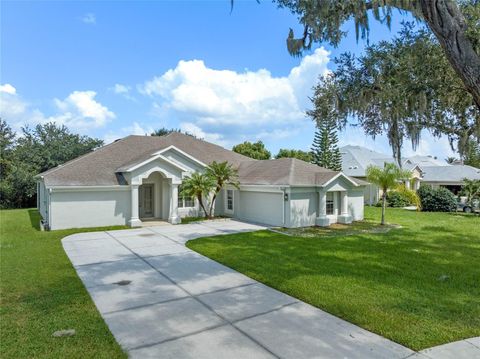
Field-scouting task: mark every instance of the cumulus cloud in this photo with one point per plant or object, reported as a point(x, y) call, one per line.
point(89, 18)
point(79, 111)
point(236, 105)
point(7, 88)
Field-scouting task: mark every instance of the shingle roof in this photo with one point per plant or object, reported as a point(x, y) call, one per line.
point(449, 173)
point(103, 166)
point(98, 168)
point(283, 171)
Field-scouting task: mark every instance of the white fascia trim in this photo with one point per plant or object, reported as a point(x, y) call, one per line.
point(156, 157)
point(172, 147)
point(337, 176)
point(88, 188)
point(261, 188)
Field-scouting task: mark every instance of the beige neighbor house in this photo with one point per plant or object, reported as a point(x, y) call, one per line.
point(425, 170)
point(139, 178)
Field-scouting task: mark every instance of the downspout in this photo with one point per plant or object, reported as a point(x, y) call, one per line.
point(283, 205)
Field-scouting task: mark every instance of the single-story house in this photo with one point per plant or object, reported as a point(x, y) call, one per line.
point(425, 170)
point(139, 178)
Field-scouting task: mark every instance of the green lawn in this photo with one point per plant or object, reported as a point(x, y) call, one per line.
point(41, 293)
point(418, 285)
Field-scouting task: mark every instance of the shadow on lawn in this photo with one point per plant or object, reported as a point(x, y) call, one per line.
point(34, 218)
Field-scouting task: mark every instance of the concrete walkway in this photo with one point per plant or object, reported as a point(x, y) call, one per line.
point(162, 300)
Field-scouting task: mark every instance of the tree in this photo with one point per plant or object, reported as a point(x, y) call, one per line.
point(36, 150)
point(472, 155)
point(199, 185)
point(454, 24)
point(471, 189)
point(254, 150)
point(325, 150)
point(398, 88)
point(166, 131)
point(223, 174)
point(386, 178)
point(299, 154)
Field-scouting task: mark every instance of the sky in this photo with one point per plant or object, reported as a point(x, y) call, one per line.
point(109, 69)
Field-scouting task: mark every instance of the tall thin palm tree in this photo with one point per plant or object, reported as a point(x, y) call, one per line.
point(223, 173)
point(388, 177)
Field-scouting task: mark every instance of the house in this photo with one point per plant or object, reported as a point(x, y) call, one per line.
point(425, 170)
point(139, 178)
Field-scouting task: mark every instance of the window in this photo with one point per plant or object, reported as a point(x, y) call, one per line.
point(230, 199)
point(183, 201)
point(329, 202)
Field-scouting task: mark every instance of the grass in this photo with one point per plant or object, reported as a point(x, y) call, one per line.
point(41, 293)
point(418, 284)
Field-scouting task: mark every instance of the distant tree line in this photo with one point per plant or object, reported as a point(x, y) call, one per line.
point(34, 151)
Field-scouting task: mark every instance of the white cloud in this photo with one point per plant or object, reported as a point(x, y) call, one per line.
point(236, 105)
point(7, 88)
point(89, 18)
point(121, 89)
point(79, 111)
point(134, 129)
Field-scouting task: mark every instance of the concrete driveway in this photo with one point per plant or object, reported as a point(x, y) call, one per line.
point(162, 300)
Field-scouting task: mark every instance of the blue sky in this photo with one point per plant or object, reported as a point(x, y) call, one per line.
point(108, 69)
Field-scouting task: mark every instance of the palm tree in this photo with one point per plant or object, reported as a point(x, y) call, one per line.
point(388, 177)
point(223, 173)
point(198, 185)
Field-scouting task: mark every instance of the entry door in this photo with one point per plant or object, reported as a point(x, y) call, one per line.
point(146, 201)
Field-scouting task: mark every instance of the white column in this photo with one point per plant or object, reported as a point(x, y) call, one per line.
point(322, 219)
point(344, 217)
point(173, 218)
point(134, 219)
point(322, 204)
point(335, 203)
point(407, 184)
point(344, 203)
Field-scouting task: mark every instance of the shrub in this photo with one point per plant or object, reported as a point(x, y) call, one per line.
point(397, 199)
point(437, 199)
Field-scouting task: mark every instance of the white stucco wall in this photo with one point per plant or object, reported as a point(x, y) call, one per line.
point(356, 204)
point(89, 208)
point(303, 207)
point(260, 207)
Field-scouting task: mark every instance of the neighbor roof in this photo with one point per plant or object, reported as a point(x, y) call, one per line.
point(446, 174)
point(99, 168)
point(356, 159)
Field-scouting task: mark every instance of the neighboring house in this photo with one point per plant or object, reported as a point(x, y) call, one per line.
point(425, 170)
point(139, 178)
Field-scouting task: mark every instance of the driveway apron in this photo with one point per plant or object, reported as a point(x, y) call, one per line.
point(162, 300)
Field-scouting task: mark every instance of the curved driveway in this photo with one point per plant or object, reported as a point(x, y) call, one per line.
point(162, 300)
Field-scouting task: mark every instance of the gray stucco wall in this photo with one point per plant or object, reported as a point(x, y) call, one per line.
point(356, 204)
point(89, 209)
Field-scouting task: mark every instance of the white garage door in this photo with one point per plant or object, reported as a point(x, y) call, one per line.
point(261, 207)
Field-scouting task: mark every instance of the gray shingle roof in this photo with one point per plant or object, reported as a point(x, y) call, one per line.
point(356, 159)
point(103, 166)
point(98, 168)
point(284, 171)
point(449, 173)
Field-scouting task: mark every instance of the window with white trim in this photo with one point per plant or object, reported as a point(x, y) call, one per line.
point(229, 199)
point(184, 201)
point(329, 202)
